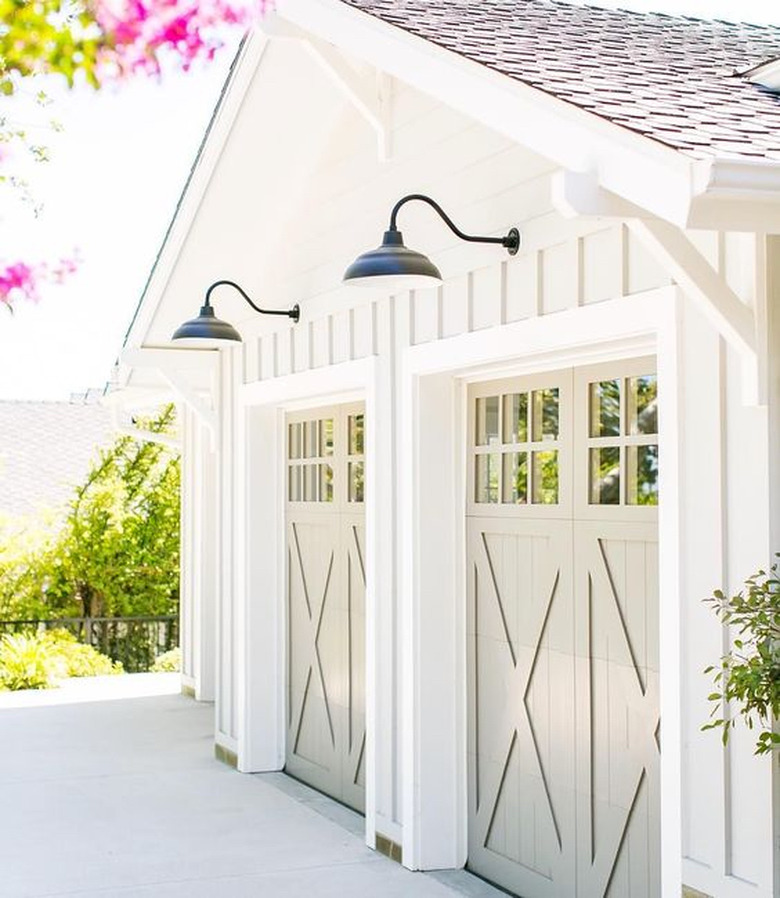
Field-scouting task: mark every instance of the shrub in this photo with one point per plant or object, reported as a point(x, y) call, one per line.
point(25, 663)
point(748, 675)
point(74, 659)
point(168, 662)
point(37, 661)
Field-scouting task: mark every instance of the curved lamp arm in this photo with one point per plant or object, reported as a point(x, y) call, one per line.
point(511, 241)
point(294, 312)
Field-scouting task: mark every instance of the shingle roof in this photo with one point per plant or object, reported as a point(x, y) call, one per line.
point(667, 77)
point(45, 450)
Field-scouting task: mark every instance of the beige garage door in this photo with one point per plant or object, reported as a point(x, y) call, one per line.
point(326, 582)
point(563, 633)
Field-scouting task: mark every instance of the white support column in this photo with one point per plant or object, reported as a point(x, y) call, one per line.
point(205, 565)
point(261, 595)
point(771, 257)
point(433, 633)
point(225, 574)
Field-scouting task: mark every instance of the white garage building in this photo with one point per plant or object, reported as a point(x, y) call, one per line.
point(445, 548)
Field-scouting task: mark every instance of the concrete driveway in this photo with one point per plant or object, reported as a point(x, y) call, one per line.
point(124, 797)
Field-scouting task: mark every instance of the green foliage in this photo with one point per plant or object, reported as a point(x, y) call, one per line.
point(47, 36)
point(25, 663)
point(71, 658)
point(117, 551)
point(39, 660)
point(749, 675)
point(169, 662)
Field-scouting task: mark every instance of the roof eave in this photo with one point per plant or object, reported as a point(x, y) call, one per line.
point(647, 175)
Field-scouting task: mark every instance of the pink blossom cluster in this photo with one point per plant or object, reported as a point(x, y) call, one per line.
point(138, 30)
point(22, 281)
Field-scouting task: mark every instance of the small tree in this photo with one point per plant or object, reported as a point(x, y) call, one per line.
point(117, 551)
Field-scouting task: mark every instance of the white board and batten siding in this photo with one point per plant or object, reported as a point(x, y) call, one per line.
point(340, 208)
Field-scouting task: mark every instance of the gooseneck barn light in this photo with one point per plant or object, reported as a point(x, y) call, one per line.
point(208, 330)
point(393, 265)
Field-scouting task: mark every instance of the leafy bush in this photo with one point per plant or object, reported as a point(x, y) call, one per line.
point(38, 661)
point(25, 663)
point(75, 659)
point(749, 674)
point(168, 662)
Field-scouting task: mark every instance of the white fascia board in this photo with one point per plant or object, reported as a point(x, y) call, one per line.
point(225, 116)
point(643, 171)
point(736, 195)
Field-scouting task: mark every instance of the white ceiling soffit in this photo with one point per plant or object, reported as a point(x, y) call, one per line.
point(737, 195)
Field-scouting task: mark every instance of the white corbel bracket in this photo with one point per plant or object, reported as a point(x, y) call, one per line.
point(580, 194)
point(735, 321)
point(369, 92)
point(191, 374)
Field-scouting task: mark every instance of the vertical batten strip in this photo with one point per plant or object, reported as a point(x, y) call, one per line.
point(502, 315)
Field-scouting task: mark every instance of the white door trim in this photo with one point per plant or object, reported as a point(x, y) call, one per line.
point(432, 530)
point(262, 571)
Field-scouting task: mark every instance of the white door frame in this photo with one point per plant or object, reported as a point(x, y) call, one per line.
point(261, 618)
point(432, 491)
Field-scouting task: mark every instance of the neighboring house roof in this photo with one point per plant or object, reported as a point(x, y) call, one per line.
point(45, 450)
point(669, 78)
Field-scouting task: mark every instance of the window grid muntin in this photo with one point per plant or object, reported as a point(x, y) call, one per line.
point(492, 455)
point(624, 442)
point(310, 460)
point(356, 458)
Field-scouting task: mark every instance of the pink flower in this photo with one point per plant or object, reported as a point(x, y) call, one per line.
point(138, 31)
point(22, 281)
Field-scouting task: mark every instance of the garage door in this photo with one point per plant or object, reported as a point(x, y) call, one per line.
point(563, 633)
point(326, 601)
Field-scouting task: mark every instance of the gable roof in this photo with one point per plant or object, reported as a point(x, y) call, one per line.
point(45, 450)
point(672, 79)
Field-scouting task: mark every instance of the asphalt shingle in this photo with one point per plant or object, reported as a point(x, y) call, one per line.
point(673, 79)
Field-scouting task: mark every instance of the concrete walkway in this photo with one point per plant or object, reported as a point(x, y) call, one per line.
point(124, 797)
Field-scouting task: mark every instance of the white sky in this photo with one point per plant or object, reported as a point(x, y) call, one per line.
point(111, 189)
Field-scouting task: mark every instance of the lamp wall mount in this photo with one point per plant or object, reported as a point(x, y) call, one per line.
point(208, 331)
point(510, 241)
point(294, 312)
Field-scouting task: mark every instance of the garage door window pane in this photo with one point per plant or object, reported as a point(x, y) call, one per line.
point(605, 408)
point(294, 440)
point(326, 436)
point(486, 480)
point(545, 478)
point(545, 414)
point(515, 490)
point(516, 418)
point(326, 483)
point(605, 475)
point(487, 421)
point(642, 475)
point(310, 483)
point(356, 429)
point(310, 447)
point(295, 483)
point(356, 481)
point(642, 401)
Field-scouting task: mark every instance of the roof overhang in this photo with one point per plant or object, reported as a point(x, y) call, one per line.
point(661, 181)
point(606, 169)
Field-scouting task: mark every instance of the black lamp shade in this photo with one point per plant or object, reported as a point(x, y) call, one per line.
point(393, 262)
point(205, 329)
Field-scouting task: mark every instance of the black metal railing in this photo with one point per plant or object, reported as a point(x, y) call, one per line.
point(135, 641)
